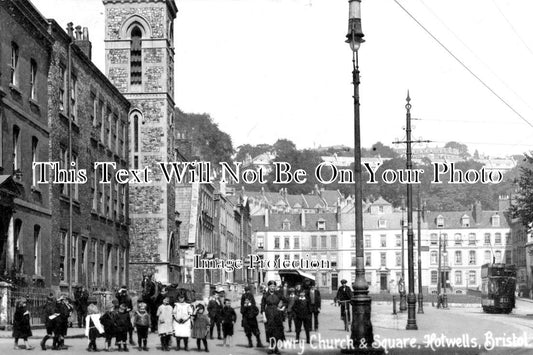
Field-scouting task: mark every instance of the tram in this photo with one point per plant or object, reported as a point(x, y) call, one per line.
point(498, 284)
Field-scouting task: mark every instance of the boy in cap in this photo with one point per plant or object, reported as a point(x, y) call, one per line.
point(49, 316)
point(123, 327)
point(123, 298)
point(214, 310)
point(249, 322)
point(344, 294)
point(290, 311)
point(141, 319)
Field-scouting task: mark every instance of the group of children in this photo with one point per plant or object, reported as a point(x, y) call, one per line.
point(185, 320)
point(182, 321)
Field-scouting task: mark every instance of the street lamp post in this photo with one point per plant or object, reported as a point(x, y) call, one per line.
point(403, 301)
point(419, 224)
point(411, 298)
point(362, 333)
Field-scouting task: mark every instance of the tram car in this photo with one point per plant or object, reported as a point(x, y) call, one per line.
point(498, 285)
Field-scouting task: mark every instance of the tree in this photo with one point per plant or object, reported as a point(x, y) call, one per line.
point(383, 151)
point(522, 206)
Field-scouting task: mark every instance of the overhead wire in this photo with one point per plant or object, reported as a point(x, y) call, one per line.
point(476, 56)
point(512, 27)
point(464, 65)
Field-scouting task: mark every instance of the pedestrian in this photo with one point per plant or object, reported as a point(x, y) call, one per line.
point(93, 327)
point(21, 324)
point(273, 305)
point(182, 314)
point(200, 327)
point(141, 320)
point(315, 302)
point(229, 317)
point(214, 310)
point(290, 304)
point(81, 300)
point(108, 320)
point(164, 323)
point(285, 290)
point(302, 312)
point(64, 309)
point(124, 298)
point(249, 323)
point(247, 295)
point(123, 327)
point(49, 314)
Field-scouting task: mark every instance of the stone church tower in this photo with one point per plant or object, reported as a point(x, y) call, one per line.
point(139, 48)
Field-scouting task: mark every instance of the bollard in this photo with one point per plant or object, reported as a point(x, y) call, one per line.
point(394, 305)
point(445, 302)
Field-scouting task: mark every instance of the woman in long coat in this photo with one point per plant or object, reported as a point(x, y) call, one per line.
point(273, 307)
point(182, 314)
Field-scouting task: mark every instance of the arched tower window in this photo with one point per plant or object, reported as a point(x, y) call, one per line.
point(136, 56)
point(135, 121)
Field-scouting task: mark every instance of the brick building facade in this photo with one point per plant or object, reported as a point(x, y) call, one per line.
point(88, 121)
point(25, 211)
point(140, 63)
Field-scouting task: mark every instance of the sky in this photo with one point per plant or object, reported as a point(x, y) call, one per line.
point(271, 69)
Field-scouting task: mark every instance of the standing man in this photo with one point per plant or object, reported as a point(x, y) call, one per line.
point(123, 298)
point(302, 313)
point(273, 307)
point(344, 295)
point(214, 310)
point(81, 301)
point(315, 303)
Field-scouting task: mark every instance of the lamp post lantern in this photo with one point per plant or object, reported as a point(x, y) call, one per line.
point(361, 328)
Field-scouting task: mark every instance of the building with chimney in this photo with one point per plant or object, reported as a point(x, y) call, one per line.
point(88, 120)
point(139, 47)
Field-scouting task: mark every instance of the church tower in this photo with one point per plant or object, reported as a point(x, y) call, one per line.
point(139, 47)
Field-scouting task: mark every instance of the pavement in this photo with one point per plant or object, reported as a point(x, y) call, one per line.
point(457, 330)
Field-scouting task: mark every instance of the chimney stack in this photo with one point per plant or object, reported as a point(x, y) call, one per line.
point(83, 42)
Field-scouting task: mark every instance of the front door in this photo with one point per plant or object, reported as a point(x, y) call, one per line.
point(334, 282)
point(383, 282)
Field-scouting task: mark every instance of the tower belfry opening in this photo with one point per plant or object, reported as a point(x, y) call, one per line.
point(136, 56)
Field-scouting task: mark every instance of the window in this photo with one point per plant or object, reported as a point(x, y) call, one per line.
point(458, 278)
point(102, 124)
point(458, 257)
point(434, 277)
point(458, 239)
point(398, 240)
point(353, 259)
point(34, 158)
point(33, 78)
point(472, 257)
point(383, 259)
point(63, 84)
point(321, 225)
point(286, 243)
point(62, 254)
point(498, 255)
point(114, 142)
point(17, 156)
point(398, 259)
point(333, 242)
point(260, 242)
point(368, 243)
point(383, 240)
point(136, 57)
point(486, 240)
point(487, 255)
point(382, 223)
point(368, 259)
point(94, 114)
point(94, 189)
point(296, 256)
point(94, 249)
point(74, 257)
point(83, 258)
point(440, 221)
point(37, 250)
point(286, 225)
point(323, 242)
point(287, 257)
point(14, 64)
point(434, 239)
point(314, 243)
point(472, 277)
point(465, 221)
point(495, 220)
point(276, 243)
point(433, 258)
point(76, 187)
point(296, 242)
point(73, 97)
point(63, 155)
point(498, 238)
point(18, 244)
point(472, 239)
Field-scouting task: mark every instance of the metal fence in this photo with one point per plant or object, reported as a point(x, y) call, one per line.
point(35, 301)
